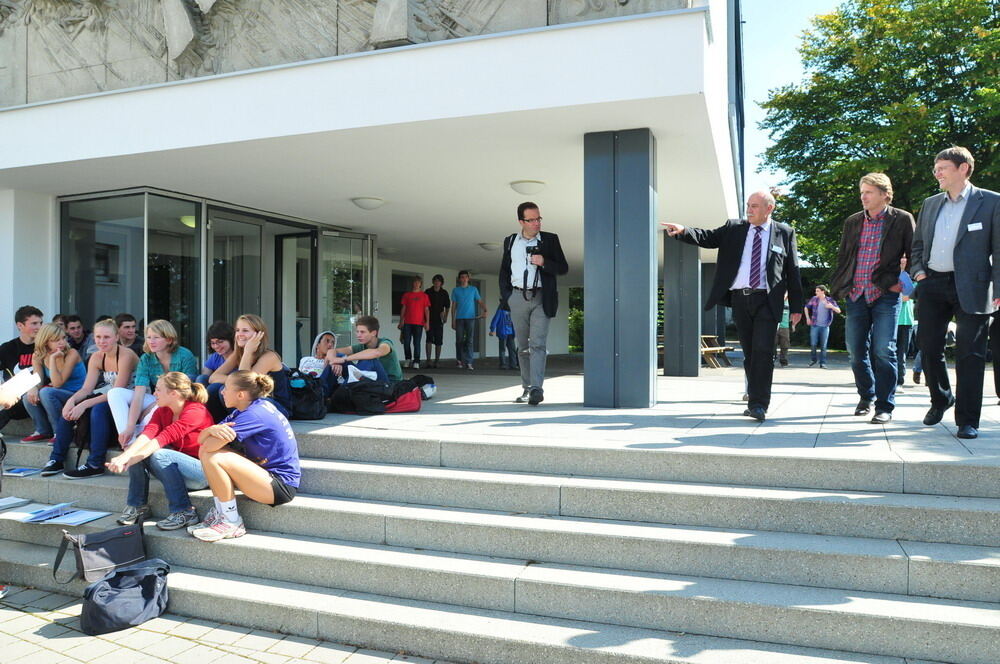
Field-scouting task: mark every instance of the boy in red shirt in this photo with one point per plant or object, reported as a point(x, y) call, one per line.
point(414, 318)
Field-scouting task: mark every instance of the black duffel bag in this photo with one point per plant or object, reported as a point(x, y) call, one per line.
point(308, 400)
point(126, 597)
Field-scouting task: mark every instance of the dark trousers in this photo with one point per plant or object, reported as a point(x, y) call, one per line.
point(903, 334)
point(938, 303)
point(995, 351)
point(756, 326)
point(412, 334)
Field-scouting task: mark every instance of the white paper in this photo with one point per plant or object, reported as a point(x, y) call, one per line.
point(22, 513)
point(78, 517)
point(16, 387)
point(21, 472)
point(47, 512)
point(12, 501)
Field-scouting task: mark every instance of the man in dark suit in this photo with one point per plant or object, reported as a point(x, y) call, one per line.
point(757, 264)
point(866, 280)
point(956, 259)
point(531, 261)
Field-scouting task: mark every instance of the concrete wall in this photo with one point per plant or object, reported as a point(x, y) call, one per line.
point(558, 341)
point(28, 255)
point(52, 49)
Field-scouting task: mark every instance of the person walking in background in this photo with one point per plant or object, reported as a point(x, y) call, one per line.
point(783, 338)
point(468, 307)
point(532, 260)
point(904, 324)
point(440, 303)
point(758, 263)
point(819, 312)
point(503, 328)
point(956, 261)
point(414, 318)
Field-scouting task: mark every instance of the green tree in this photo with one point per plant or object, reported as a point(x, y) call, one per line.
point(888, 84)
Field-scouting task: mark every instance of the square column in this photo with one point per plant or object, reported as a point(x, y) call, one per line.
point(682, 308)
point(620, 276)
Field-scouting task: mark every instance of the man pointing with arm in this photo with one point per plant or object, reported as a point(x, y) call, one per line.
point(757, 264)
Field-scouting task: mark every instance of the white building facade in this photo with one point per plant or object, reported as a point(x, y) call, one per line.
point(197, 160)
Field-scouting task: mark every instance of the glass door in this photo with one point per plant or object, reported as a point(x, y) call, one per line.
point(235, 271)
point(173, 266)
point(345, 283)
point(294, 295)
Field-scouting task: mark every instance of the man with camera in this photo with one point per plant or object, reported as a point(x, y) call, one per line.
point(531, 261)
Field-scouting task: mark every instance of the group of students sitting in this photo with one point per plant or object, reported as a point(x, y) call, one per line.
point(224, 428)
point(156, 410)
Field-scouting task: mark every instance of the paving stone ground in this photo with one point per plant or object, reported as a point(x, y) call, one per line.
point(39, 627)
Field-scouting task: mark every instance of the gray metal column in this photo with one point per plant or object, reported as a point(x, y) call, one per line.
point(682, 307)
point(619, 364)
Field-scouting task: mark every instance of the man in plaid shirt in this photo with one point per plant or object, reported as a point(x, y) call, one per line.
point(867, 281)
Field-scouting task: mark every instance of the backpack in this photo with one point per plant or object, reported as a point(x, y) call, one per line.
point(126, 597)
point(308, 400)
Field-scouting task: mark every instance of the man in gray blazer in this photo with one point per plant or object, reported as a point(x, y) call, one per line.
point(957, 235)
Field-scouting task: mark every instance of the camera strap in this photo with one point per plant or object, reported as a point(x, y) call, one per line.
point(524, 279)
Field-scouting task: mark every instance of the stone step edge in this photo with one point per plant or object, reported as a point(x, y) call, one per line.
point(707, 489)
point(427, 629)
point(961, 559)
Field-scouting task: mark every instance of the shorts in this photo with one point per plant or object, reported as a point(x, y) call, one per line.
point(283, 493)
point(435, 333)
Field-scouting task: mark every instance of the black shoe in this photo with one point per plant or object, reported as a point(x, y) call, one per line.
point(83, 473)
point(756, 413)
point(864, 407)
point(535, 396)
point(934, 414)
point(916, 377)
point(967, 431)
point(52, 468)
point(784, 363)
point(881, 417)
point(813, 363)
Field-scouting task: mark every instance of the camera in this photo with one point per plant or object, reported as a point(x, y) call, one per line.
point(534, 250)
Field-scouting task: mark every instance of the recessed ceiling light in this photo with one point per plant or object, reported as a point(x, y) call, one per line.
point(368, 202)
point(527, 187)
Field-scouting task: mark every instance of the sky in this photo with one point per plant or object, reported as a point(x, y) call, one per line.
point(772, 32)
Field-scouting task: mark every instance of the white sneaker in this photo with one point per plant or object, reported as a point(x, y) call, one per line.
point(415, 365)
point(220, 531)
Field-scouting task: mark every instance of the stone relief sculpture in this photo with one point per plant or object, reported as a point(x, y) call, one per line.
point(60, 48)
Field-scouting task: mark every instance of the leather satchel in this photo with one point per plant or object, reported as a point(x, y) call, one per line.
point(98, 554)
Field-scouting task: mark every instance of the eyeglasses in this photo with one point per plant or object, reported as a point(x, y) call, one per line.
point(532, 221)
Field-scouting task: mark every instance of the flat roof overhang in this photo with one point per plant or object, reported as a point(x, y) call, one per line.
point(437, 130)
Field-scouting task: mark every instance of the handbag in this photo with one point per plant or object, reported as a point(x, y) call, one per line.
point(103, 552)
point(126, 597)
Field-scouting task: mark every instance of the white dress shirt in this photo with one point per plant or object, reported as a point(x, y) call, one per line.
point(942, 258)
point(743, 276)
point(519, 262)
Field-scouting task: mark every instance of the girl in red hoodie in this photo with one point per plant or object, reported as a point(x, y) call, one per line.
point(167, 448)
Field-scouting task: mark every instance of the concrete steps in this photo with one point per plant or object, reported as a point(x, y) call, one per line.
point(439, 630)
point(883, 572)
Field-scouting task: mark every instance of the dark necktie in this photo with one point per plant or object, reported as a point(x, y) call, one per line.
point(755, 259)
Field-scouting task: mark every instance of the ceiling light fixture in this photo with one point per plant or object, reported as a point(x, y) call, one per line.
point(527, 187)
point(368, 202)
point(189, 220)
point(489, 246)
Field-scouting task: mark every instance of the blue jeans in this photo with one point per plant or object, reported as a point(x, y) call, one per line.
point(871, 338)
point(508, 352)
point(53, 399)
point(102, 434)
point(818, 337)
point(465, 330)
point(178, 473)
point(38, 415)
